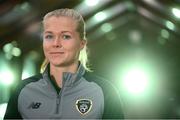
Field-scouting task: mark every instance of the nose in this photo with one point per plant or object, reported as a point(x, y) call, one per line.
point(57, 43)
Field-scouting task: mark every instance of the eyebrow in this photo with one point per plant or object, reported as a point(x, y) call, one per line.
point(61, 32)
point(66, 32)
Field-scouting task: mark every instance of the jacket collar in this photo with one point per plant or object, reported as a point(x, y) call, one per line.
point(69, 79)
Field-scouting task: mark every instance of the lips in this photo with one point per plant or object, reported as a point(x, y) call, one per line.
point(54, 53)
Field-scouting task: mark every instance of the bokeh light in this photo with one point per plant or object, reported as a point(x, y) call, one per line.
point(106, 27)
point(6, 77)
point(176, 12)
point(135, 81)
point(170, 25)
point(165, 33)
point(91, 2)
point(100, 16)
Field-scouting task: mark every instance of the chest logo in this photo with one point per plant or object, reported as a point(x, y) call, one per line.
point(34, 105)
point(83, 106)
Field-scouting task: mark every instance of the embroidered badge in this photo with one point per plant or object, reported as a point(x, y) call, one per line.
point(83, 106)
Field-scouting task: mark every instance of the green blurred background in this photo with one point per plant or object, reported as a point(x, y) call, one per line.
point(133, 43)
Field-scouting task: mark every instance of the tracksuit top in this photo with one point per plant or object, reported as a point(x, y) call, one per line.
point(82, 96)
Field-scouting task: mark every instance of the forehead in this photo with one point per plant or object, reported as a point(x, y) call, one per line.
point(61, 22)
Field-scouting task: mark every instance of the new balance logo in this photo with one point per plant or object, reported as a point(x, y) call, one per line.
point(34, 105)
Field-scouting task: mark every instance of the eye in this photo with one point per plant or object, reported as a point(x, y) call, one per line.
point(66, 37)
point(48, 37)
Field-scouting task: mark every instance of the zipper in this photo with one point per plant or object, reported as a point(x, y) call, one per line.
point(58, 100)
point(57, 104)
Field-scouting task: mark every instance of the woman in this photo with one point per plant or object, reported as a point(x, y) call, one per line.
point(66, 88)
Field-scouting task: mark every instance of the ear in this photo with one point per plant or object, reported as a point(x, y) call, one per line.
point(82, 44)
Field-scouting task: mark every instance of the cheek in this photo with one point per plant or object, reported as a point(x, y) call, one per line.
point(45, 47)
point(72, 46)
point(75, 48)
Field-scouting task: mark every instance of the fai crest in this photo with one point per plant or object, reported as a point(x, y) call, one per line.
point(83, 106)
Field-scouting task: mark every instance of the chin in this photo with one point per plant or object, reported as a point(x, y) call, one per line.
point(60, 64)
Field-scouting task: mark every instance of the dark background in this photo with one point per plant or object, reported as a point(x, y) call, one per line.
point(141, 33)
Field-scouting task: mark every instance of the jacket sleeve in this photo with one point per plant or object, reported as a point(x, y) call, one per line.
point(12, 111)
point(112, 103)
point(12, 107)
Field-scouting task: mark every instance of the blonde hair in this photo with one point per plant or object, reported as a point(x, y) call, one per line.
point(83, 57)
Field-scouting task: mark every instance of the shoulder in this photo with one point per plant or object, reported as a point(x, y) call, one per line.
point(105, 84)
point(16, 89)
point(12, 108)
point(91, 77)
point(112, 100)
point(21, 84)
point(109, 89)
point(31, 79)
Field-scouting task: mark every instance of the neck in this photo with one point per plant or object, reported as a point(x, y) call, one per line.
point(57, 72)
